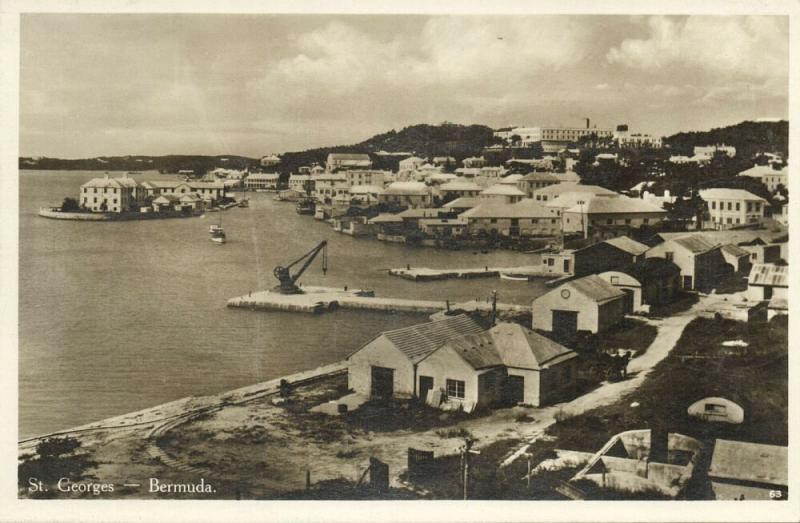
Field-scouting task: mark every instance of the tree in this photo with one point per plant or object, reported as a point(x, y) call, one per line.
point(70, 205)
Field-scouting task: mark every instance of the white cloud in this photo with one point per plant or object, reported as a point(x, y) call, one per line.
point(753, 46)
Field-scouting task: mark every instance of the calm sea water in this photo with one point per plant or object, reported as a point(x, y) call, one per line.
point(116, 317)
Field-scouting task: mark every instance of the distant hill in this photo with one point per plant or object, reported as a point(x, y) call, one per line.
point(749, 138)
point(447, 139)
point(167, 164)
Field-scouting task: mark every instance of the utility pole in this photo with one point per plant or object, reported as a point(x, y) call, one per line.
point(466, 450)
point(494, 307)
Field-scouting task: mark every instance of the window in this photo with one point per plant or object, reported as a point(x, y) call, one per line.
point(627, 221)
point(669, 256)
point(713, 205)
point(551, 261)
point(615, 279)
point(646, 220)
point(749, 206)
point(729, 221)
point(730, 206)
point(609, 221)
point(493, 220)
point(455, 389)
point(738, 206)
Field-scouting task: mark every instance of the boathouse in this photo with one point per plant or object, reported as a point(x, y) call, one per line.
point(387, 366)
point(506, 364)
point(588, 304)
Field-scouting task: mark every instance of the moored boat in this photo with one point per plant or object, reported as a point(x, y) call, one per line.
point(513, 277)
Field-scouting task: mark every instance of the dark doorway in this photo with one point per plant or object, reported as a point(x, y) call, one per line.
point(767, 293)
point(687, 282)
point(565, 324)
point(382, 382)
point(628, 300)
point(425, 384)
point(514, 392)
point(566, 266)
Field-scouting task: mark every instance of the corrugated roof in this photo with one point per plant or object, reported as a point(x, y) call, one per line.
point(460, 186)
point(595, 288)
point(737, 237)
point(742, 460)
point(418, 341)
point(733, 250)
point(695, 244)
point(769, 274)
point(628, 245)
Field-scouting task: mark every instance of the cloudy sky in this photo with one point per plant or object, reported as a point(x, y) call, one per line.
point(96, 85)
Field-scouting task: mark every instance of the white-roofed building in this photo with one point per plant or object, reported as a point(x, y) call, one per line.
point(407, 194)
point(609, 217)
point(770, 176)
point(475, 161)
point(343, 161)
point(364, 194)
point(270, 160)
point(731, 207)
point(459, 188)
point(109, 194)
point(503, 193)
point(411, 163)
point(551, 192)
point(262, 181)
point(527, 218)
point(301, 183)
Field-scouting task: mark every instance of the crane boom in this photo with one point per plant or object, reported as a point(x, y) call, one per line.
point(288, 280)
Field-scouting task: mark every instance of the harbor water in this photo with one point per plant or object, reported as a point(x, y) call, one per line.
point(119, 316)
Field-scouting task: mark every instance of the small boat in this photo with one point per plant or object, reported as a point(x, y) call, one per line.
point(305, 207)
point(217, 232)
point(513, 277)
point(244, 203)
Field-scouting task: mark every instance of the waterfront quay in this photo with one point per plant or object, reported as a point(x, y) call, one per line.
point(316, 300)
point(426, 274)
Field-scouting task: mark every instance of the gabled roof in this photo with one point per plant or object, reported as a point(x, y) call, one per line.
point(595, 288)
point(695, 244)
point(738, 237)
point(407, 188)
point(759, 171)
point(418, 341)
point(494, 209)
point(509, 345)
point(621, 204)
point(734, 250)
point(464, 202)
point(729, 194)
point(741, 460)
point(650, 269)
point(539, 177)
point(458, 185)
point(769, 274)
point(386, 218)
point(423, 213)
point(560, 188)
point(628, 245)
point(502, 190)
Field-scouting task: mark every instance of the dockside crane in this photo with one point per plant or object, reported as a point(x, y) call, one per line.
point(288, 281)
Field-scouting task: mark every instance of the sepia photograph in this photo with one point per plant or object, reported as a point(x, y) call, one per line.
point(506, 256)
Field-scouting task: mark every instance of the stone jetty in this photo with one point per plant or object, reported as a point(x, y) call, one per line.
point(426, 274)
point(317, 300)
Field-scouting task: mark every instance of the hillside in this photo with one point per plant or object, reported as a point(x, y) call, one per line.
point(447, 139)
point(749, 138)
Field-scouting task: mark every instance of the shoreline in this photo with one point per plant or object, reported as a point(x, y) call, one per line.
point(188, 406)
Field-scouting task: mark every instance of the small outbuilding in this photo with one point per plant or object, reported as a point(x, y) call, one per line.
point(651, 281)
point(742, 470)
point(506, 364)
point(588, 304)
point(387, 366)
point(717, 409)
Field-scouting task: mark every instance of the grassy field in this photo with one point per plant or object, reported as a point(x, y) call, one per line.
point(755, 377)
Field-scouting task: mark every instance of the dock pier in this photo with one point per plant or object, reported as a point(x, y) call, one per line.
point(316, 300)
point(423, 274)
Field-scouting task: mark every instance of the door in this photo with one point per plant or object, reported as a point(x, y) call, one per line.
point(628, 300)
point(687, 282)
point(767, 293)
point(566, 266)
point(425, 384)
point(565, 324)
point(382, 382)
point(514, 390)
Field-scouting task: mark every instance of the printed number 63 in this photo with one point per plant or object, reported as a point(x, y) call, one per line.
point(775, 494)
